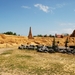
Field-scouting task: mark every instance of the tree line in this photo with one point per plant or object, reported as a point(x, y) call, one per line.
point(40, 35)
point(9, 33)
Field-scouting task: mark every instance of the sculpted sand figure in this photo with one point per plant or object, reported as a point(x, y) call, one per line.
point(73, 34)
point(30, 34)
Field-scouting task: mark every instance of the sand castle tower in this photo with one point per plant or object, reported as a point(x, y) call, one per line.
point(30, 34)
point(73, 34)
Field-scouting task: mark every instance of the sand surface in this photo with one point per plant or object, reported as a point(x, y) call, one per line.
point(8, 41)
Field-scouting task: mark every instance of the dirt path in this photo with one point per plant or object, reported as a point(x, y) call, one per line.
point(5, 49)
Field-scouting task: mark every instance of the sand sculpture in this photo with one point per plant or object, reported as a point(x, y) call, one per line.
point(30, 34)
point(73, 34)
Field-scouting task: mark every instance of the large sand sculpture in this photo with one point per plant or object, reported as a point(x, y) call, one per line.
point(14, 41)
point(73, 34)
point(30, 34)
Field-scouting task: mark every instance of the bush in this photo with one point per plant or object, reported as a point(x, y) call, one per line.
point(45, 35)
point(9, 33)
point(40, 35)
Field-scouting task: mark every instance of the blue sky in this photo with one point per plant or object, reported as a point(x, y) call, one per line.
point(44, 16)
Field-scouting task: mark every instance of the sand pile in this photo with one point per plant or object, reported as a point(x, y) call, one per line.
point(10, 40)
point(15, 41)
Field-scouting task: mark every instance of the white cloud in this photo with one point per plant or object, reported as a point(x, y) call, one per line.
point(51, 9)
point(67, 24)
point(42, 7)
point(47, 8)
point(26, 7)
point(60, 5)
point(68, 30)
point(66, 27)
point(53, 32)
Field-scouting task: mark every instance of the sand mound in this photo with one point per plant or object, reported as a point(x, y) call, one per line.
point(15, 41)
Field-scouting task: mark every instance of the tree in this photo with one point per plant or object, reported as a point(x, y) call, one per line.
point(14, 34)
point(45, 35)
point(58, 43)
point(53, 44)
point(51, 35)
point(39, 35)
point(65, 34)
point(66, 43)
point(9, 33)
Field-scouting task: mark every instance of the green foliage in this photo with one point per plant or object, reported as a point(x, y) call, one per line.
point(51, 35)
point(30, 62)
point(65, 34)
point(53, 44)
point(23, 56)
point(66, 42)
point(14, 34)
point(9, 33)
point(45, 35)
point(7, 52)
point(39, 35)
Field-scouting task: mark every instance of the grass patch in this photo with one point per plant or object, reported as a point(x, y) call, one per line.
point(7, 52)
point(23, 56)
point(24, 62)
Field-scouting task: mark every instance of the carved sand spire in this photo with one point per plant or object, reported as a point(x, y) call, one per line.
point(30, 34)
point(73, 34)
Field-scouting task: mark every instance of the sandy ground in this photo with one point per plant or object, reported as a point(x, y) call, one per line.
point(5, 49)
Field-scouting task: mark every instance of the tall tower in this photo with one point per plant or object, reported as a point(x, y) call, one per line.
point(30, 34)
